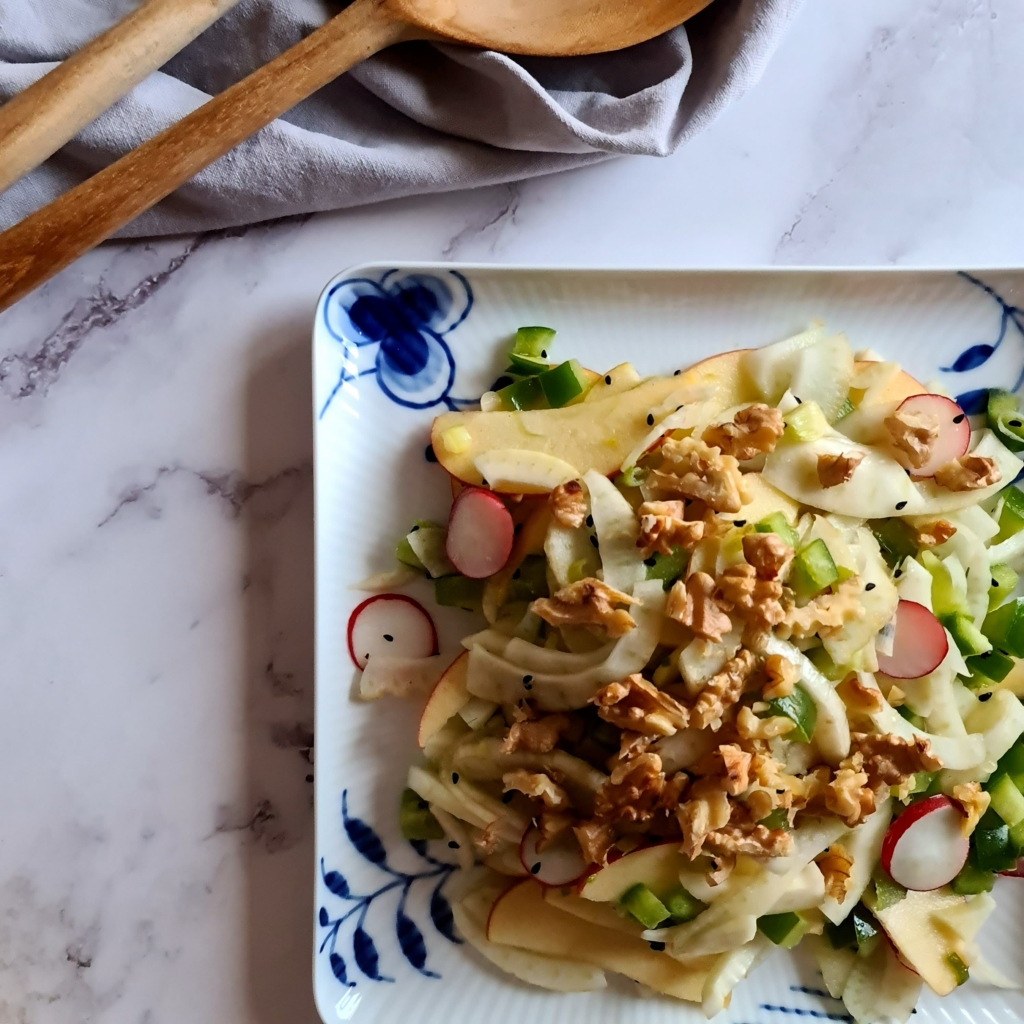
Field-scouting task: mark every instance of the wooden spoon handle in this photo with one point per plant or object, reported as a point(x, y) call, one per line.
point(40, 119)
point(49, 239)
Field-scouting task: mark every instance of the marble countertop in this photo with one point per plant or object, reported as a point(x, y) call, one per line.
point(155, 515)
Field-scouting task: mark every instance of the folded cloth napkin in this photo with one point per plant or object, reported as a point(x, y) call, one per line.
point(416, 118)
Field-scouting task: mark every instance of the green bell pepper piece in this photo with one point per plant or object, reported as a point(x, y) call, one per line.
point(844, 410)
point(459, 592)
point(972, 880)
point(959, 968)
point(529, 581)
point(526, 366)
point(415, 819)
point(524, 394)
point(667, 568)
point(969, 639)
point(912, 717)
point(991, 848)
point(1003, 417)
point(945, 600)
point(563, 383)
point(822, 661)
point(800, 708)
point(1011, 518)
point(778, 819)
point(1012, 762)
point(805, 423)
point(785, 930)
point(895, 538)
point(1007, 799)
point(533, 342)
point(887, 892)
point(1004, 582)
point(1005, 627)
point(682, 906)
point(988, 668)
point(813, 569)
point(644, 905)
point(776, 522)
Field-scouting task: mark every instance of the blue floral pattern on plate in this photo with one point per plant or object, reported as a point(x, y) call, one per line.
point(394, 328)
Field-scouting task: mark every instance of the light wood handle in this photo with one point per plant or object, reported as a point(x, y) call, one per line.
point(40, 119)
point(47, 241)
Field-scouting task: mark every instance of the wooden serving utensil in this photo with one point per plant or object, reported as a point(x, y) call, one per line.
point(40, 119)
point(48, 240)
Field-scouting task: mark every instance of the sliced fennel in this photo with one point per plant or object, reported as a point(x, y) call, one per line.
point(770, 369)
point(823, 373)
point(729, 970)
point(880, 990)
point(568, 549)
point(617, 531)
point(864, 845)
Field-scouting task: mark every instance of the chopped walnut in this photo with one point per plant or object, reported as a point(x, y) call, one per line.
point(858, 697)
point(914, 433)
point(753, 431)
point(632, 791)
point(968, 473)
point(722, 866)
point(838, 469)
point(538, 736)
point(782, 675)
point(850, 796)
point(551, 825)
point(890, 760)
point(692, 603)
point(690, 469)
point(596, 838)
point(588, 602)
point(487, 841)
point(933, 534)
point(973, 801)
point(707, 810)
point(835, 865)
point(759, 601)
point(736, 765)
point(769, 554)
point(675, 786)
point(755, 841)
point(826, 614)
point(750, 727)
point(568, 504)
point(663, 527)
point(723, 690)
point(539, 786)
point(639, 706)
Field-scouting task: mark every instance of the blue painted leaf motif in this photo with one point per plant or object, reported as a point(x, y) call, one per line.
point(973, 402)
point(971, 359)
point(339, 970)
point(336, 883)
point(362, 837)
point(441, 914)
point(366, 956)
point(325, 918)
point(410, 938)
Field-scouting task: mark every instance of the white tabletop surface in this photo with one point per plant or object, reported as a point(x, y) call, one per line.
point(155, 513)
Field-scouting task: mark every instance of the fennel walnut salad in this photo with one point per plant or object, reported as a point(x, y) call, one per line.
point(748, 677)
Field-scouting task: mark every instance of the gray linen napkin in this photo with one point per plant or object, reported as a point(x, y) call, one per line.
point(416, 118)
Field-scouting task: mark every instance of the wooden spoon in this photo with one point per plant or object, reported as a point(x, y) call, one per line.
point(48, 240)
point(40, 119)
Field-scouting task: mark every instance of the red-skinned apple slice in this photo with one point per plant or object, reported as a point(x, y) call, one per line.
point(448, 697)
point(561, 862)
point(924, 848)
point(480, 533)
point(919, 643)
point(954, 432)
point(393, 625)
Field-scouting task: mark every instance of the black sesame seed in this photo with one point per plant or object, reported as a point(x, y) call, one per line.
point(593, 540)
point(455, 778)
point(428, 453)
point(652, 561)
point(502, 382)
point(676, 374)
point(658, 947)
point(897, 574)
point(415, 528)
point(986, 654)
point(869, 586)
point(483, 483)
point(543, 353)
point(958, 419)
point(535, 868)
point(527, 680)
point(527, 686)
point(390, 639)
point(452, 845)
point(798, 402)
point(423, 805)
point(650, 419)
point(985, 696)
point(900, 505)
point(1016, 423)
point(589, 520)
point(739, 522)
point(517, 574)
point(608, 378)
point(995, 583)
point(506, 798)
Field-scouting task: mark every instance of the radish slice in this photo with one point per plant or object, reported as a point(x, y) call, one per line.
point(924, 847)
point(480, 532)
point(1017, 872)
point(560, 863)
point(918, 645)
point(393, 625)
point(954, 432)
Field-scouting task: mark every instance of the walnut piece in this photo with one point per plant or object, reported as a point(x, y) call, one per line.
point(933, 534)
point(707, 810)
point(890, 760)
point(753, 430)
point(538, 736)
point(750, 727)
point(587, 602)
point(692, 603)
point(753, 840)
point(769, 554)
point(736, 768)
point(914, 433)
point(781, 675)
point(662, 527)
point(596, 838)
point(849, 795)
point(838, 469)
point(568, 504)
point(723, 690)
point(826, 614)
point(858, 697)
point(632, 792)
point(690, 469)
point(968, 473)
point(636, 705)
point(973, 801)
point(539, 786)
point(551, 825)
point(835, 865)
point(758, 601)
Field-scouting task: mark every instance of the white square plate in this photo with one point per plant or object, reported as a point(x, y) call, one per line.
point(394, 346)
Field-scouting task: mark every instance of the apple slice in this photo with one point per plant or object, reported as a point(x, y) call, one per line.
point(919, 644)
point(561, 862)
point(517, 471)
point(393, 625)
point(924, 848)
point(448, 697)
point(480, 533)
point(656, 866)
point(954, 432)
